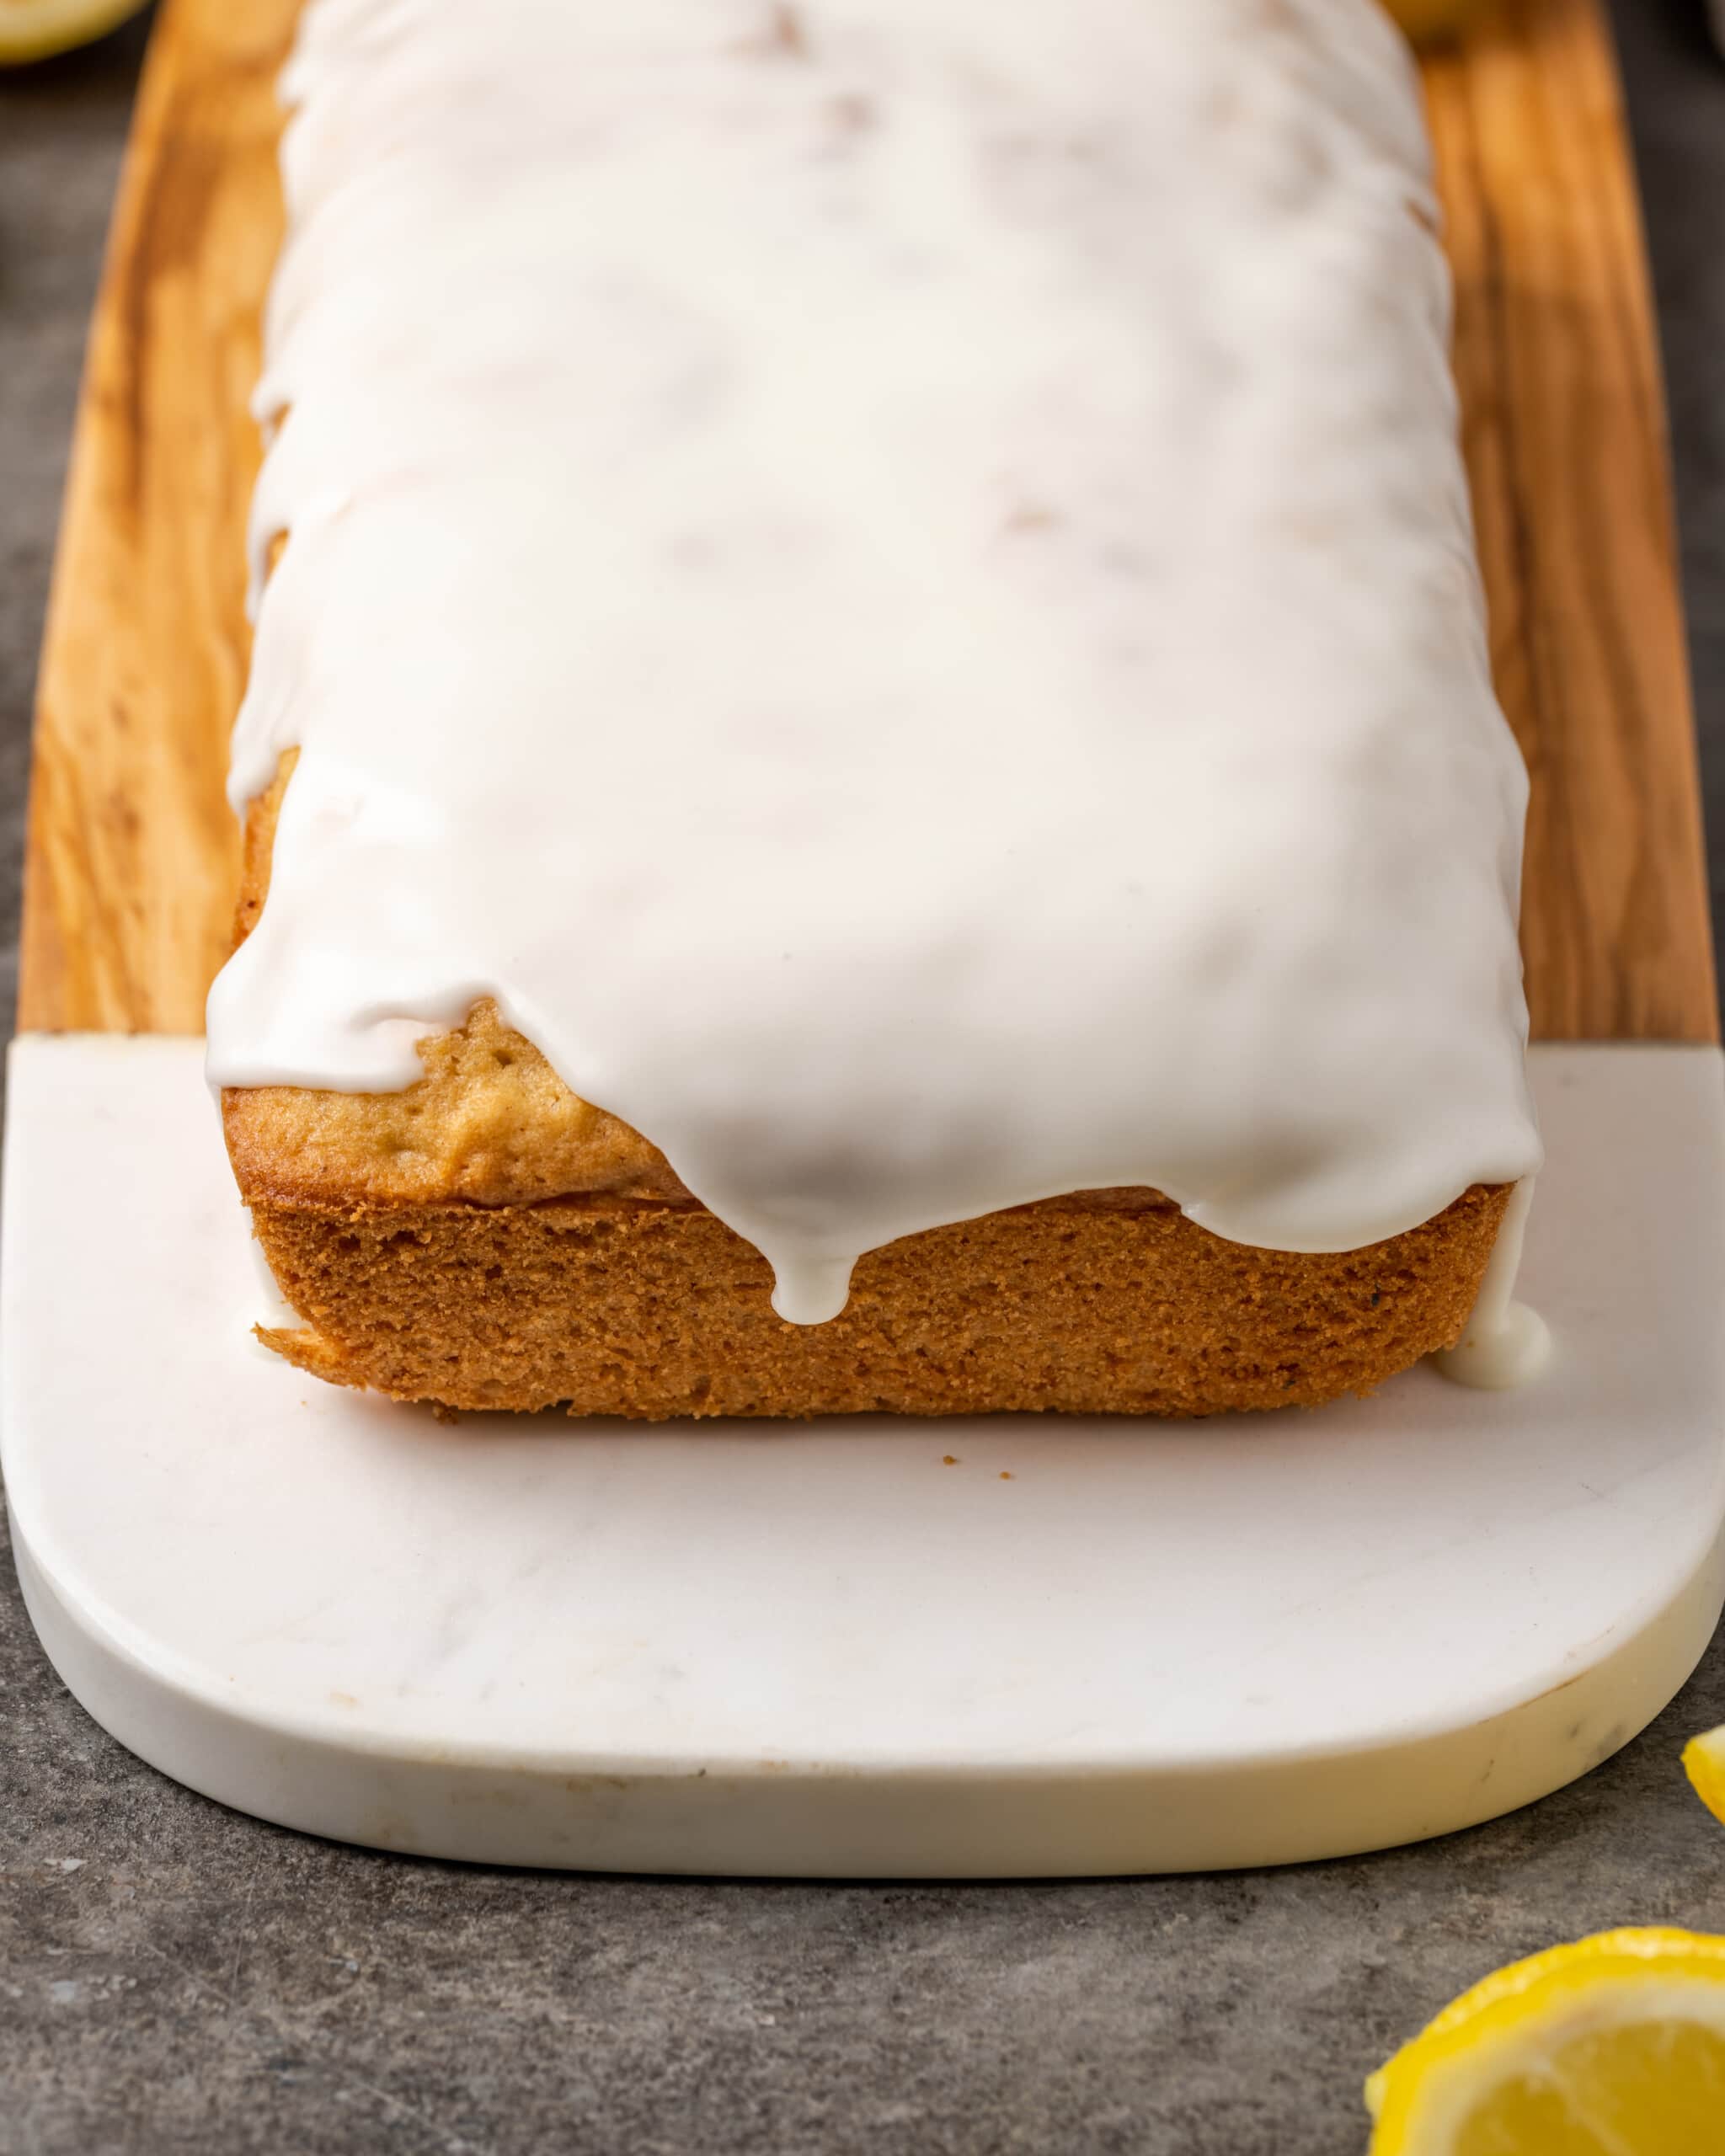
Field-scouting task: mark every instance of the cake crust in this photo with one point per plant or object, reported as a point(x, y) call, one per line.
point(1110, 1302)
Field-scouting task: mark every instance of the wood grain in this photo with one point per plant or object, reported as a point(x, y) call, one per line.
point(1563, 421)
point(132, 857)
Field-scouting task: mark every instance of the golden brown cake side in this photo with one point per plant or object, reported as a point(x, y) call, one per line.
point(487, 1240)
point(1108, 1303)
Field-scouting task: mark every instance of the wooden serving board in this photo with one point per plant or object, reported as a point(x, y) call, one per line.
point(132, 853)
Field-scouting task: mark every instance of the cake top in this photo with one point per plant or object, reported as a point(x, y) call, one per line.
point(895, 583)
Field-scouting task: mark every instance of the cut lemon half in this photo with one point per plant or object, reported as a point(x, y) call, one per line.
point(36, 30)
point(1704, 1763)
point(1612, 2046)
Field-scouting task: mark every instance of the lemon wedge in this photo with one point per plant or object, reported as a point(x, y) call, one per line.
point(1704, 1763)
point(35, 29)
point(1612, 2046)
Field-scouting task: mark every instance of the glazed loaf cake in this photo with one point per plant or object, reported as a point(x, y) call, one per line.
point(870, 777)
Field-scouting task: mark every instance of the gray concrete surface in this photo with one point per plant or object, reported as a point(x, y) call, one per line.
point(174, 1977)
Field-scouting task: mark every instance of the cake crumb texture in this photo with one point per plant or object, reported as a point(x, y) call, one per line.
point(1104, 1303)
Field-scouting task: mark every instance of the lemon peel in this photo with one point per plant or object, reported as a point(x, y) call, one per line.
point(36, 30)
point(1611, 2045)
point(1704, 1763)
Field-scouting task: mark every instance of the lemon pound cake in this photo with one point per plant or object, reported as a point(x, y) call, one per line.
point(870, 774)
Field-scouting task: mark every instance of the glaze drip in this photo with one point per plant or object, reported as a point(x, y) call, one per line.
point(1506, 1343)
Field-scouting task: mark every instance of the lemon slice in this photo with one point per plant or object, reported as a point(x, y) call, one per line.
point(34, 29)
point(1704, 1763)
point(1612, 2046)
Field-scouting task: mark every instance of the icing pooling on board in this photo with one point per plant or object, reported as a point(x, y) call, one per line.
point(1506, 1343)
point(896, 583)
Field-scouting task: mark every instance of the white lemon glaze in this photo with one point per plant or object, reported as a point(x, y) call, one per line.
point(895, 581)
